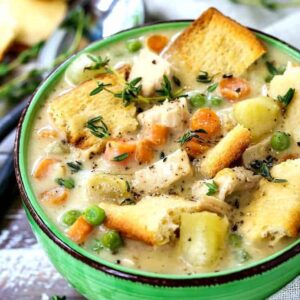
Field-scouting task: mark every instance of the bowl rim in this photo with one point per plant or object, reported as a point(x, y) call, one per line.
point(157, 279)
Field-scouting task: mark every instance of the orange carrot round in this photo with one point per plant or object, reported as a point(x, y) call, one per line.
point(207, 119)
point(234, 89)
point(55, 196)
point(80, 230)
point(157, 42)
point(41, 168)
point(194, 148)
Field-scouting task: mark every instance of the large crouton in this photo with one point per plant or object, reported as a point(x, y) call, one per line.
point(279, 86)
point(162, 174)
point(153, 220)
point(229, 149)
point(71, 111)
point(215, 44)
point(37, 19)
point(274, 211)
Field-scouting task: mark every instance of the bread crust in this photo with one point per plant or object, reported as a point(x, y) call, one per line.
point(229, 149)
point(216, 44)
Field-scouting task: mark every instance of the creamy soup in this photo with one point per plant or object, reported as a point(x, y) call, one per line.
point(145, 196)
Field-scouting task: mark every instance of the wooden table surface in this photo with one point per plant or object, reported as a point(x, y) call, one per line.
point(25, 271)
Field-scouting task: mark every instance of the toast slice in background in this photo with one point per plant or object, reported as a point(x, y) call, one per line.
point(215, 44)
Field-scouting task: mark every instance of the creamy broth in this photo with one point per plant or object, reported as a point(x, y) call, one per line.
point(137, 254)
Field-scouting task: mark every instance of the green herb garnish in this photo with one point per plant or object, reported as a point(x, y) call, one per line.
point(176, 80)
point(235, 240)
point(101, 86)
point(212, 188)
point(273, 70)
point(212, 87)
point(287, 98)
point(131, 91)
point(189, 135)
point(67, 183)
point(166, 89)
point(75, 166)
point(203, 77)
point(262, 167)
point(100, 131)
point(98, 62)
point(121, 157)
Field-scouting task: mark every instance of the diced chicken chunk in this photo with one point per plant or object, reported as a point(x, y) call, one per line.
point(171, 114)
point(151, 68)
point(228, 181)
point(163, 173)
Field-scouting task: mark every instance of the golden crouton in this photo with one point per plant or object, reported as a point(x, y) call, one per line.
point(229, 149)
point(71, 111)
point(215, 44)
point(37, 19)
point(274, 211)
point(279, 87)
point(153, 220)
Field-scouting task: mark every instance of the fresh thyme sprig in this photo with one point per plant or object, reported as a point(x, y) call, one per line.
point(204, 77)
point(190, 134)
point(121, 157)
point(67, 183)
point(262, 167)
point(212, 188)
point(273, 70)
point(132, 92)
point(98, 62)
point(287, 97)
point(100, 131)
point(74, 166)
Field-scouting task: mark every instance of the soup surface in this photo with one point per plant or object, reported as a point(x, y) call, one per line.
point(164, 205)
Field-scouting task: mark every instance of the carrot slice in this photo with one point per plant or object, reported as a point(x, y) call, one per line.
point(157, 42)
point(80, 230)
point(47, 132)
point(144, 151)
point(234, 89)
point(194, 148)
point(207, 119)
point(41, 168)
point(158, 134)
point(115, 149)
point(55, 196)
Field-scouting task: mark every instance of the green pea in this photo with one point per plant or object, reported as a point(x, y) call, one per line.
point(216, 101)
point(235, 240)
point(94, 215)
point(198, 100)
point(280, 141)
point(134, 45)
point(71, 216)
point(111, 240)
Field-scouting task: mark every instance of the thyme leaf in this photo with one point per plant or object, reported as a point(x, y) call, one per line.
point(212, 188)
point(204, 77)
point(98, 62)
point(100, 131)
point(189, 135)
point(131, 91)
point(212, 87)
point(273, 70)
point(262, 167)
point(121, 157)
point(166, 89)
point(101, 86)
point(287, 97)
point(75, 166)
point(67, 183)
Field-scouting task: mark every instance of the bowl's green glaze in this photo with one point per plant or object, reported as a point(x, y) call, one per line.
point(98, 279)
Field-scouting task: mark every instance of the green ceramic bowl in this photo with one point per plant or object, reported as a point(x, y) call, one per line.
point(96, 278)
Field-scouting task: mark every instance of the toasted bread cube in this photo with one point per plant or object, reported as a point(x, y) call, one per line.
point(229, 149)
point(152, 220)
point(274, 210)
point(163, 173)
point(215, 44)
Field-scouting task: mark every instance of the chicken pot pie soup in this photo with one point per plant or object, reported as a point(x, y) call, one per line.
point(174, 152)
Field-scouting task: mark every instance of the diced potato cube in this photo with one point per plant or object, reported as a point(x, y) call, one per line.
point(103, 187)
point(259, 114)
point(202, 238)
